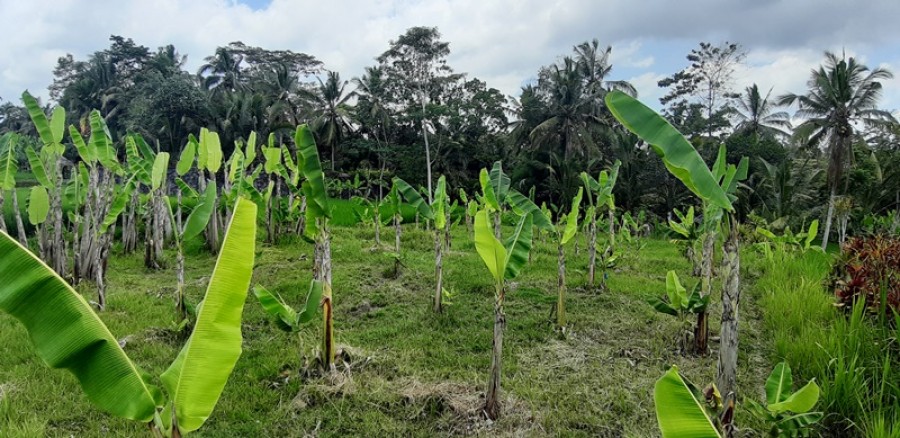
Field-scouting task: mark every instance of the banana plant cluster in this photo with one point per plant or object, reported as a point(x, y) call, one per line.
point(9, 167)
point(67, 334)
point(788, 241)
point(687, 233)
point(787, 413)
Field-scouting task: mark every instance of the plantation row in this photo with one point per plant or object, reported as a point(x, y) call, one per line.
point(128, 198)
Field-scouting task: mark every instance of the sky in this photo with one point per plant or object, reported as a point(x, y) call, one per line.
point(503, 42)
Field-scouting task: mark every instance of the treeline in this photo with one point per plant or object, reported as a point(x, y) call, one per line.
point(411, 115)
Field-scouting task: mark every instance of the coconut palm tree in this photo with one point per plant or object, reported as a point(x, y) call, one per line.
point(222, 71)
point(757, 114)
point(841, 93)
point(332, 113)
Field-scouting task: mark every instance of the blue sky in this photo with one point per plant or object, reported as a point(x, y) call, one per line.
point(503, 42)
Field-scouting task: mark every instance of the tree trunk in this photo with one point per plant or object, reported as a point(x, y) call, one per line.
point(20, 227)
point(448, 240)
point(301, 221)
point(427, 150)
point(492, 398)
point(561, 289)
point(100, 277)
point(180, 306)
point(829, 216)
point(731, 295)
point(592, 250)
point(701, 329)
point(377, 220)
point(270, 232)
point(438, 271)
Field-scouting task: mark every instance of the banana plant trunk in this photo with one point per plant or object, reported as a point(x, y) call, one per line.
point(180, 306)
point(20, 227)
point(612, 230)
point(301, 221)
point(397, 233)
point(328, 350)
point(57, 245)
point(438, 271)
point(492, 398)
point(561, 288)
point(497, 225)
point(701, 329)
point(448, 241)
point(377, 220)
point(731, 295)
point(592, 251)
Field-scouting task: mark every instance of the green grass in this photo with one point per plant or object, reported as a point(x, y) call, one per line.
point(413, 373)
point(853, 358)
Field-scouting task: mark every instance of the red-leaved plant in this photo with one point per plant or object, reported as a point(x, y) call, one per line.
point(869, 270)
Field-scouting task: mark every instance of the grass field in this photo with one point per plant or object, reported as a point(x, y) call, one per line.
point(411, 372)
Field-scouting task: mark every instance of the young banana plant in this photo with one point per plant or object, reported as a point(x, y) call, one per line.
point(680, 303)
point(683, 161)
point(504, 260)
point(494, 191)
point(687, 233)
point(193, 226)
point(286, 318)
point(599, 195)
point(318, 214)
point(787, 413)
point(435, 212)
point(684, 410)
point(67, 334)
point(9, 166)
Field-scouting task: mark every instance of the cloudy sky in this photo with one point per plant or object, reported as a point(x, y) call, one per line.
point(503, 42)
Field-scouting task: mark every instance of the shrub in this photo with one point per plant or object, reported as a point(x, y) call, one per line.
point(869, 271)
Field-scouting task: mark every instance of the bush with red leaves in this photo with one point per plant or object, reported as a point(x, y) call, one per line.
point(867, 265)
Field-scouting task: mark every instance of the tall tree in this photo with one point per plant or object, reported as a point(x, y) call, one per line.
point(331, 120)
point(705, 84)
point(758, 115)
point(416, 63)
point(841, 93)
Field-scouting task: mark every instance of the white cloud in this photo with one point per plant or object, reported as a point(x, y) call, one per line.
point(500, 41)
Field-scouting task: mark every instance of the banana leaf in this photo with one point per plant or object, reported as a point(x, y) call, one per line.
point(67, 334)
point(196, 378)
point(679, 156)
point(491, 251)
point(198, 219)
point(186, 160)
point(679, 409)
point(9, 164)
point(38, 205)
point(518, 245)
point(413, 198)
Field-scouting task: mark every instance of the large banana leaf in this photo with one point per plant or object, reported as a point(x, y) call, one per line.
point(186, 160)
point(779, 384)
point(518, 245)
point(677, 153)
point(491, 250)
point(499, 182)
point(100, 141)
point(799, 402)
point(524, 206)
point(679, 411)
point(39, 118)
point(66, 333)
point(160, 166)
point(438, 207)
point(572, 218)
point(413, 198)
point(9, 164)
point(196, 378)
point(38, 205)
point(213, 149)
point(487, 189)
point(285, 316)
point(198, 219)
point(37, 167)
point(311, 168)
point(120, 202)
point(140, 166)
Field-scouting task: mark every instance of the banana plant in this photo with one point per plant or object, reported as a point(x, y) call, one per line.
point(193, 226)
point(286, 318)
point(9, 166)
point(683, 410)
point(494, 190)
point(273, 168)
point(687, 233)
point(318, 214)
point(599, 195)
point(788, 240)
point(47, 169)
point(395, 200)
point(788, 414)
point(505, 260)
point(435, 212)
point(716, 191)
point(681, 304)
point(67, 334)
